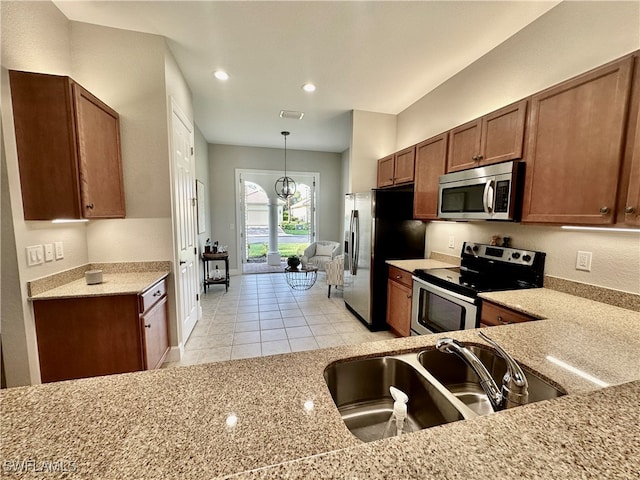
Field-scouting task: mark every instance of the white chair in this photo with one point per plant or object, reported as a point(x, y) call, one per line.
point(335, 273)
point(321, 252)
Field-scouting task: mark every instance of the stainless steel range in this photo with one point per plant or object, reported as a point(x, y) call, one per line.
point(446, 300)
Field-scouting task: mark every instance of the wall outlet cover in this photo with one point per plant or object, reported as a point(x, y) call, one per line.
point(59, 251)
point(583, 261)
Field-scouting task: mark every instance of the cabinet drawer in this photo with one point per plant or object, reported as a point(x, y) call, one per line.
point(400, 276)
point(494, 315)
point(152, 295)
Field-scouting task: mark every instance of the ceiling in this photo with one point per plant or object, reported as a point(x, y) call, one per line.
point(362, 55)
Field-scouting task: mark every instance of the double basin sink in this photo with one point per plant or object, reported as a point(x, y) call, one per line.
point(440, 386)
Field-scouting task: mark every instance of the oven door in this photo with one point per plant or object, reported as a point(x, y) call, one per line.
point(436, 310)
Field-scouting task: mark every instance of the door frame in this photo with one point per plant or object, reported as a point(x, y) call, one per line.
point(240, 216)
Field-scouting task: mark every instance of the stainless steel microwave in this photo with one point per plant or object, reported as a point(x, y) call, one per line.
point(492, 192)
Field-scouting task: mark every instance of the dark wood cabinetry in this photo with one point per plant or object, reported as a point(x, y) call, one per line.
point(399, 293)
point(493, 314)
point(493, 138)
point(431, 160)
point(575, 147)
point(68, 144)
point(397, 169)
point(102, 335)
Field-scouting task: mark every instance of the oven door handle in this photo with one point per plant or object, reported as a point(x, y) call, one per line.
point(488, 196)
point(430, 287)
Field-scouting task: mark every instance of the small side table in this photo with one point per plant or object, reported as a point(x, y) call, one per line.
point(212, 257)
point(301, 278)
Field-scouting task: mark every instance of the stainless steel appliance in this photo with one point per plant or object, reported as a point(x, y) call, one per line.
point(493, 192)
point(379, 226)
point(445, 300)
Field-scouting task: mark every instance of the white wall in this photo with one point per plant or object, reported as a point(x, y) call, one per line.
point(373, 136)
point(568, 40)
point(225, 159)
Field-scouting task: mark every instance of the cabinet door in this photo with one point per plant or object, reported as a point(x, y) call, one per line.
point(404, 164)
point(574, 148)
point(503, 134)
point(156, 334)
point(87, 337)
point(431, 161)
point(46, 144)
point(464, 146)
point(631, 207)
point(495, 315)
point(100, 165)
point(399, 308)
point(385, 171)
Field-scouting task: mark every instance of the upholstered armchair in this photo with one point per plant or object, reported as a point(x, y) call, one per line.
point(335, 272)
point(321, 252)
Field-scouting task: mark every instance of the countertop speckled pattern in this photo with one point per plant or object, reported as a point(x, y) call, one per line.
point(421, 263)
point(171, 423)
point(112, 284)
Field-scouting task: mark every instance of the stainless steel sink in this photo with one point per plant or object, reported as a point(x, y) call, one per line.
point(360, 390)
point(440, 386)
point(463, 383)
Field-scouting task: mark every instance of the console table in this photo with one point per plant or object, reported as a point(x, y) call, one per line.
point(224, 279)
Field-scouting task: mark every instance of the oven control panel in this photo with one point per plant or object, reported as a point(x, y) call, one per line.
point(501, 254)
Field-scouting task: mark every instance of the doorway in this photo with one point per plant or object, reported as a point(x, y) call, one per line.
point(262, 213)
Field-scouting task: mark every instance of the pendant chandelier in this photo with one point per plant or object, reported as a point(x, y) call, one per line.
point(285, 186)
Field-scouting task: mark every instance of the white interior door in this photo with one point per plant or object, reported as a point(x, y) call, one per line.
point(185, 221)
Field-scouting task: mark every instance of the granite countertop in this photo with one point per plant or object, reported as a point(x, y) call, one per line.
point(171, 423)
point(112, 284)
point(419, 263)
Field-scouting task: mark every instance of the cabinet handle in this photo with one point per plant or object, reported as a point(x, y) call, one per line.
point(398, 276)
point(604, 210)
point(90, 206)
point(147, 325)
point(479, 157)
point(474, 158)
point(157, 294)
point(629, 210)
point(499, 318)
point(408, 296)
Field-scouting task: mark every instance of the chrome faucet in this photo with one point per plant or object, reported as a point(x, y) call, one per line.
point(515, 388)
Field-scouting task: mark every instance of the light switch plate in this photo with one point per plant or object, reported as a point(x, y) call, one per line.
point(35, 255)
point(452, 241)
point(48, 252)
point(59, 251)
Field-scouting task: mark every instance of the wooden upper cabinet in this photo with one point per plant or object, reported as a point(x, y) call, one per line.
point(385, 171)
point(494, 138)
point(404, 166)
point(464, 146)
point(68, 145)
point(575, 147)
point(431, 161)
point(629, 198)
point(397, 169)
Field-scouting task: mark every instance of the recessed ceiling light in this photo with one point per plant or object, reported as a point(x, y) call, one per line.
point(309, 87)
point(221, 75)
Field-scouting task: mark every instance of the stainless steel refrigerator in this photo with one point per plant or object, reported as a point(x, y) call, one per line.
point(379, 226)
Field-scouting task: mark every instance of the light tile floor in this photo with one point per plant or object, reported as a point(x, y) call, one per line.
point(261, 315)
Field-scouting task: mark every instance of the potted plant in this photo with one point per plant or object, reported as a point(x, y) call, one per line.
point(293, 262)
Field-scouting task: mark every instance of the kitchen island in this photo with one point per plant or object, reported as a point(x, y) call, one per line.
point(273, 417)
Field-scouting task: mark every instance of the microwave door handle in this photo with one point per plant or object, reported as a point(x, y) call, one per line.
point(488, 197)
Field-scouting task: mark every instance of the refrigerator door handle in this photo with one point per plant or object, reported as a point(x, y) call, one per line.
point(355, 252)
point(351, 242)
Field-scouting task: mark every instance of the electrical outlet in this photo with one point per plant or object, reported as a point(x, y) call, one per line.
point(59, 251)
point(35, 255)
point(48, 252)
point(583, 261)
point(452, 241)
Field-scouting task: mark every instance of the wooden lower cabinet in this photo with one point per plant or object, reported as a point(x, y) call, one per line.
point(399, 293)
point(492, 315)
point(92, 336)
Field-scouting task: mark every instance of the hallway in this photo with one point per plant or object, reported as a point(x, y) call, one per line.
point(261, 315)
